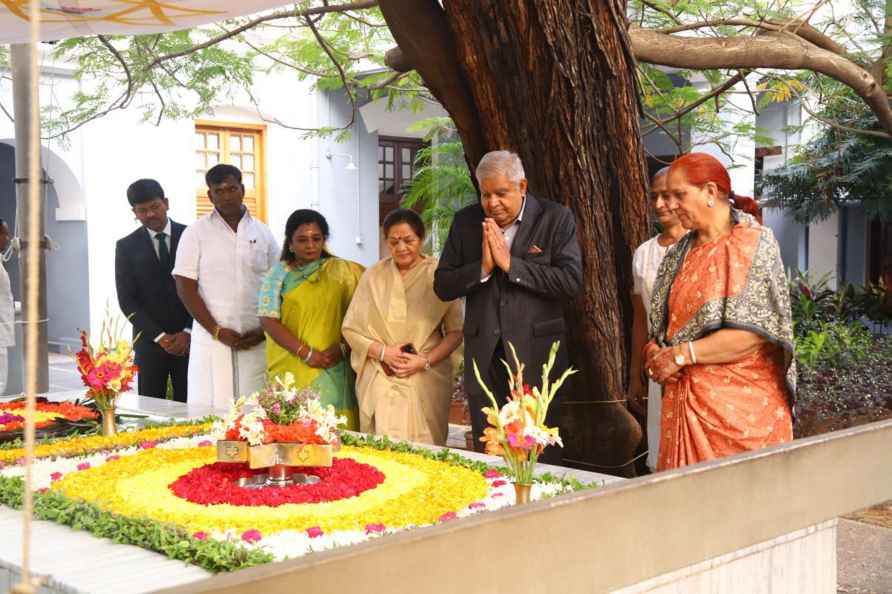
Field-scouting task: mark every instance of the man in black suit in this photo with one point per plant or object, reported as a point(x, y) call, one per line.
point(147, 293)
point(516, 259)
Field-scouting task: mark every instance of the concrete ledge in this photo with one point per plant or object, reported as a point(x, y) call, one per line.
point(610, 538)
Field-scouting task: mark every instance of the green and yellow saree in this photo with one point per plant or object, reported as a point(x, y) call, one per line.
point(311, 301)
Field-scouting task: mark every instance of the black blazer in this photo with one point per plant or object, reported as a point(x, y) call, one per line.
point(146, 295)
point(524, 306)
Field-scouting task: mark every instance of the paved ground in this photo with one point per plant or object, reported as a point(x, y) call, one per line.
point(864, 558)
point(63, 373)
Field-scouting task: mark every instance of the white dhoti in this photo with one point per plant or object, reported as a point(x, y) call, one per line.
point(218, 374)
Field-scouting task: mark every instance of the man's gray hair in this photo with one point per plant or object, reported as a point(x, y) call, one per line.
point(500, 162)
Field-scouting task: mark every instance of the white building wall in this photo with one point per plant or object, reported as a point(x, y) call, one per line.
point(97, 163)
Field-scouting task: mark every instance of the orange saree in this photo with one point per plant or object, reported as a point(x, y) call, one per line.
point(737, 281)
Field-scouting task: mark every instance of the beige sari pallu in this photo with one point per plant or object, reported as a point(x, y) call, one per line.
point(391, 309)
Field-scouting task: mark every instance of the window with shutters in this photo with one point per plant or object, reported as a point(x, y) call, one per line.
point(236, 144)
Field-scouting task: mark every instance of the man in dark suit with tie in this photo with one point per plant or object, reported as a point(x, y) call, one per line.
point(516, 260)
point(147, 293)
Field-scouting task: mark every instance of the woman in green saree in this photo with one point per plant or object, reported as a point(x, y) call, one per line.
point(301, 306)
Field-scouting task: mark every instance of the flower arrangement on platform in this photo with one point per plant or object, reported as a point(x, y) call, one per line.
point(517, 429)
point(281, 413)
point(46, 414)
point(106, 369)
point(171, 496)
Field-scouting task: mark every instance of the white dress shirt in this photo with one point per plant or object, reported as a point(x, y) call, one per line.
point(509, 233)
point(153, 235)
point(229, 267)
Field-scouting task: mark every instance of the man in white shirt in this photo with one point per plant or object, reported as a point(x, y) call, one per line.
point(220, 265)
point(147, 293)
point(7, 312)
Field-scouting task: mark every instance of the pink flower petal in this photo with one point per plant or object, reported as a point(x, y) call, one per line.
point(499, 483)
point(147, 445)
point(314, 532)
point(492, 473)
point(83, 466)
point(112, 458)
point(200, 535)
point(477, 505)
point(251, 536)
point(373, 528)
point(205, 443)
point(55, 476)
point(497, 494)
point(448, 516)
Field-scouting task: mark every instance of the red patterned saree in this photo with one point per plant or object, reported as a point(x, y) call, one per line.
point(736, 281)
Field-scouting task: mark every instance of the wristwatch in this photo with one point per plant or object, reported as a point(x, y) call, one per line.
point(680, 360)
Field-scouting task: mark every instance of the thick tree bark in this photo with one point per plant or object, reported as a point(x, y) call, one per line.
point(554, 81)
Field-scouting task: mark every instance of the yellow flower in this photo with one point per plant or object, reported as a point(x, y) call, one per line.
point(78, 446)
point(416, 491)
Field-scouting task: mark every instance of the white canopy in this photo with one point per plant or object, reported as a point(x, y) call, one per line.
point(81, 18)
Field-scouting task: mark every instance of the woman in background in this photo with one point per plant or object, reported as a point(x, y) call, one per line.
point(645, 264)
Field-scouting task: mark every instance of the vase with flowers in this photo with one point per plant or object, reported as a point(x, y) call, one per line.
point(279, 429)
point(517, 430)
point(107, 369)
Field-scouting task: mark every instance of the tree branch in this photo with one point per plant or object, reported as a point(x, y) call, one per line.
point(783, 51)
point(318, 10)
point(426, 45)
point(795, 27)
point(328, 51)
point(695, 104)
point(837, 125)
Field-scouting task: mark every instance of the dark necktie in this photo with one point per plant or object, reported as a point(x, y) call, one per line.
point(163, 253)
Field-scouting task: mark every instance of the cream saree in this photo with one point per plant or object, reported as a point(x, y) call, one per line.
point(390, 309)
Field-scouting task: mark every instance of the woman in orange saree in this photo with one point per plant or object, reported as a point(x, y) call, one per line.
point(721, 327)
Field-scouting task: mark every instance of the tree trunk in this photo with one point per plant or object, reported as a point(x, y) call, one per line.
point(554, 81)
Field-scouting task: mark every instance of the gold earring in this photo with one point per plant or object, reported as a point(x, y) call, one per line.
point(710, 203)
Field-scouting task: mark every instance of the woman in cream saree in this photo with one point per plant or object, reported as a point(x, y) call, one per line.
point(394, 311)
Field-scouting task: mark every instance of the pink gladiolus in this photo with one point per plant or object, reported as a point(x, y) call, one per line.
point(251, 536)
point(314, 532)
